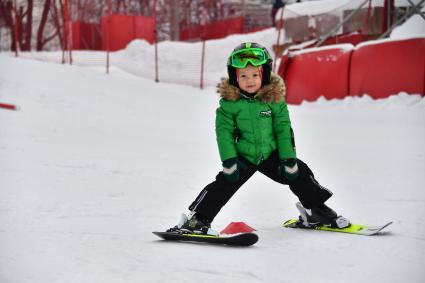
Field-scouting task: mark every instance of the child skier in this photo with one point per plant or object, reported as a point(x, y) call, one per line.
point(254, 133)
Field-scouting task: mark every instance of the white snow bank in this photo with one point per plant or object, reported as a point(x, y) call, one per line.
point(395, 101)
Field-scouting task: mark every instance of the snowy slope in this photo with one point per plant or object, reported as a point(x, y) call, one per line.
point(93, 163)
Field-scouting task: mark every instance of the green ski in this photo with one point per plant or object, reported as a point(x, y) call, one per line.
point(358, 229)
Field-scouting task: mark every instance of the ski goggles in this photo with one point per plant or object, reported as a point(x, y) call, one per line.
point(254, 56)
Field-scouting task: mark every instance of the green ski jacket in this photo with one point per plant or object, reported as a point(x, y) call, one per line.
point(254, 127)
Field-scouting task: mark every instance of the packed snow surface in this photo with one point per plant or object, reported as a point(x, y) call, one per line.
point(93, 163)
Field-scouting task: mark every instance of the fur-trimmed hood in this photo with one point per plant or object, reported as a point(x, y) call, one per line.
point(271, 93)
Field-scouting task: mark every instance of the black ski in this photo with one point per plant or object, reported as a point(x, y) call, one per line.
point(243, 239)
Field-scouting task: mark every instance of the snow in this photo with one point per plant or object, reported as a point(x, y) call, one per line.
point(413, 27)
point(93, 163)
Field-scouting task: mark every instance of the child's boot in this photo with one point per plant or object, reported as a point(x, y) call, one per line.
point(321, 215)
point(191, 224)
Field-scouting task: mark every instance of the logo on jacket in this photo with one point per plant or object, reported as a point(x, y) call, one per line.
point(266, 113)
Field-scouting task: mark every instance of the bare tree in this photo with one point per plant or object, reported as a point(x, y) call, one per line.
point(57, 20)
point(19, 18)
point(25, 25)
point(40, 33)
point(6, 14)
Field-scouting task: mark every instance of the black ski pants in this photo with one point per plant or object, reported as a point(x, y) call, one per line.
point(215, 195)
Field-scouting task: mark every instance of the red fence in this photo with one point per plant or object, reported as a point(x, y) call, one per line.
point(218, 29)
point(86, 36)
point(121, 29)
point(379, 70)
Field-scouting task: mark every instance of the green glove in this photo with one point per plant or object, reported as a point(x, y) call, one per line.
point(288, 168)
point(232, 168)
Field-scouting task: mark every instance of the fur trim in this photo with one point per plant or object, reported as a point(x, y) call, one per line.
point(271, 93)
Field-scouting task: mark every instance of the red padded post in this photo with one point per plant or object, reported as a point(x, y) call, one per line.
point(319, 72)
point(389, 67)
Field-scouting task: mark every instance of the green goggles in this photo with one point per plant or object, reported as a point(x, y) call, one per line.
point(255, 56)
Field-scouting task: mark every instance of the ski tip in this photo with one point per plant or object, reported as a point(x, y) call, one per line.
point(242, 239)
point(159, 234)
point(254, 239)
point(388, 224)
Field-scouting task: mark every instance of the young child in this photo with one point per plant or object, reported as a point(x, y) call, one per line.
point(254, 133)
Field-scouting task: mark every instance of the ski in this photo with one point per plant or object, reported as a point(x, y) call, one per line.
point(358, 229)
point(243, 239)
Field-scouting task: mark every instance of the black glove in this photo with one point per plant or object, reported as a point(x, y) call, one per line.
point(232, 168)
point(288, 168)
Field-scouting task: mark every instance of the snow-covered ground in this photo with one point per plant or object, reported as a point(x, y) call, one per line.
point(93, 163)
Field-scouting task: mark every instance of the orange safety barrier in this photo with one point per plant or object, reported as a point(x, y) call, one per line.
point(385, 68)
point(309, 75)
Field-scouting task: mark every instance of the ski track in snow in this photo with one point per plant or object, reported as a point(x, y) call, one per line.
point(92, 164)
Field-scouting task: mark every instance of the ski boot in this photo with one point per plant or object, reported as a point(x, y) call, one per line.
point(192, 225)
point(321, 215)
